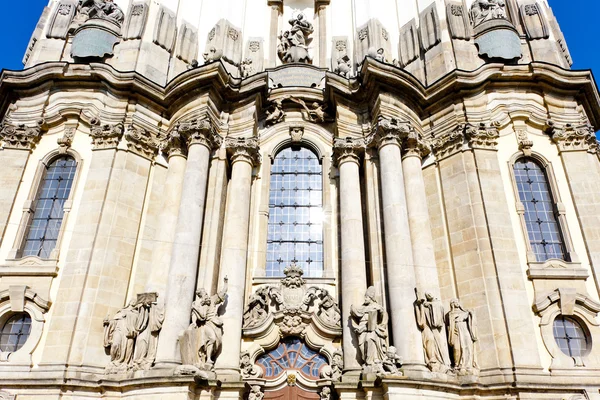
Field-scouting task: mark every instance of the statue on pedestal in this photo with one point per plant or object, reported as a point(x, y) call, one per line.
point(430, 319)
point(462, 336)
point(293, 44)
point(369, 322)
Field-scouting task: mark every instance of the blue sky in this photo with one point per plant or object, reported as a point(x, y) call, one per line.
point(578, 19)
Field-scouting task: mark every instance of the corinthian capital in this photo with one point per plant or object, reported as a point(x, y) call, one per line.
point(450, 143)
point(482, 136)
point(389, 131)
point(105, 136)
point(415, 146)
point(574, 138)
point(348, 149)
point(20, 136)
point(142, 142)
point(243, 149)
point(173, 144)
point(199, 131)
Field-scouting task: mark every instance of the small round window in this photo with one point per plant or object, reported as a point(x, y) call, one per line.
point(570, 336)
point(15, 332)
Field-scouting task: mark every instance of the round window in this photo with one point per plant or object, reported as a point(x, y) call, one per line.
point(15, 332)
point(570, 336)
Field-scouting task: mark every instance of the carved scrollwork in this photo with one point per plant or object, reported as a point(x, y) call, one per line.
point(348, 149)
point(142, 142)
point(243, 149)
point(20, 136)
point(105, 136)
point(574, 138)
point(199, 131)
point(482, 136)
point(248, 369)
point(64, 142)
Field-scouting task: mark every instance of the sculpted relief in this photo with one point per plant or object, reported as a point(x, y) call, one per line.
point(293, 44)
point(486, 10)
point(100, 9)
point(131, 335)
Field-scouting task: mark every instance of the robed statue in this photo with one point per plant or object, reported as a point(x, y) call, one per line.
point(462, 336)
point(430, 319)
point(369, 322)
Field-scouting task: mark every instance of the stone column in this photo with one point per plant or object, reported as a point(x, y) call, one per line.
point(426, 274)
point(321, 11)
point(165, 235)
point(347, 154)
point(244, 155)
point(276, 12)
point(400, 271)
point(201, 139)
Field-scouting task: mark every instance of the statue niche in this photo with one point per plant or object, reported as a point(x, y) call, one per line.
point(293, 44)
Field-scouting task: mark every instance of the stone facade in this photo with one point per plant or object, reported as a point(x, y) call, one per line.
point(165, 274)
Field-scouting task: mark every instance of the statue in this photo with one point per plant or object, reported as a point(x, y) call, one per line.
point(212, 55)
point(316, 114)
point(275, 114)
point(255, 393)
point(486, 10)
point(369, 322)
point(131, 336)
point(101, 9)
point(293, 44)
point(201, 342)
point(430, 319)
point(392, 362)
point(462, 336)
point(249, 370)
point(325, 393)
point(334, 371)
point(328, 310)
point(343, 68)
point(246, 68)
point(256, 309)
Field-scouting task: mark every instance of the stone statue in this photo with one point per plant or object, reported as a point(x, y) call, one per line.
point(462, 335)
point(328, 310)
point(249, 370)
point(102, 9)
point(256, 309)
point(343, 68)
point(369, 322)
point(316, 114)
point(293, 44)
point(486, 10)
point(430, 319)
point(334, 371)
point(325, 393)
point(275, 114)
point(131, 335)
point(213, 54)
point(255, 393)
point(201, 343)
point(392, 362)
point(246, 68)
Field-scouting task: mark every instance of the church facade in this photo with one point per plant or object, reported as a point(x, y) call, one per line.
point(299, 199)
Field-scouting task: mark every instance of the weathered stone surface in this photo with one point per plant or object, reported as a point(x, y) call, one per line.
point(136, 21)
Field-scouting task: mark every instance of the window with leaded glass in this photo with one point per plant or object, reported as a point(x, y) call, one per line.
point(570, 336)
point(15, 332)
point(295, 232)
point(44, 226)
point(292, 354)
point(540, 210)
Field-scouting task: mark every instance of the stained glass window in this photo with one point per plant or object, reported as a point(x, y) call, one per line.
point(15, 332)
point(292, 354)
point(54, 190)
point(295, 213)
point(540, 211)
point(570, 336)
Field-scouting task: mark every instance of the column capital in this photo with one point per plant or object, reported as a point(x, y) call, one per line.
point(142, 142)
point(449, 143)
point(243, 149)
point(482, 136)
point(199, 131)
point(389, 131)
point(415, 146)
point(105, 136)
point(20, 136)
point(348, 149)
point(571, 137)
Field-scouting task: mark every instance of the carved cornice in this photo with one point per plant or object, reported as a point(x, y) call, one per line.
point(348, 149)
point(142, 142)
point(199, 131)
point(20, 136)
point(449, 143)
point(574, 138)
point(105, 136)
point(243, 149)
point(482, 136)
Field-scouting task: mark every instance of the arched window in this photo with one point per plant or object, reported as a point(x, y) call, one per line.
point(42, 233)
point(295, 213)
point(541, 216)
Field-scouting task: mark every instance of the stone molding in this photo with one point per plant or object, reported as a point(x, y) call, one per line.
point(20, 136)
point(348, 149)
point(574, 138)
point(482, 137)
point(243, 149)
point(105, 136)
point(142, 142)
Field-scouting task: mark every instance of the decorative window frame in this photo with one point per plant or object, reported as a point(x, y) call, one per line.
point(552, 268)
point(568, 302)
point(15, 254)
point(17, 299)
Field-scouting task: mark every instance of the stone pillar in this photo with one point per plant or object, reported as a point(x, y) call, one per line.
point(400, 271)
point(321, 11)
point(165, 235)
point(347, 154)
point(244, 155)
point(426, 274)
point(201, 139)
point(276, 12)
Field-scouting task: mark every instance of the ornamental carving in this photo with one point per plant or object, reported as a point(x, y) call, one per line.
point(449, 143)
point(243, 148)
point(199, 131)
point(275, 113)
point(487, 10)
point(574, 138)
point(64, 142)
point(20, 136)
point(131, 335)
point(201, 342)
point(482, 136)
point(525, 144)
point(292, 306)
point(346, 149)
point(142, 142)
point(389, 131)
point(334, 371)
point(317, 113)
point(105, 136)
point(173, 144)
point(293, 44)
point(99, 9)
point(248, 369)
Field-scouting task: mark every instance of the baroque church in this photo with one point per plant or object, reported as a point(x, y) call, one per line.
point(299, 199)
